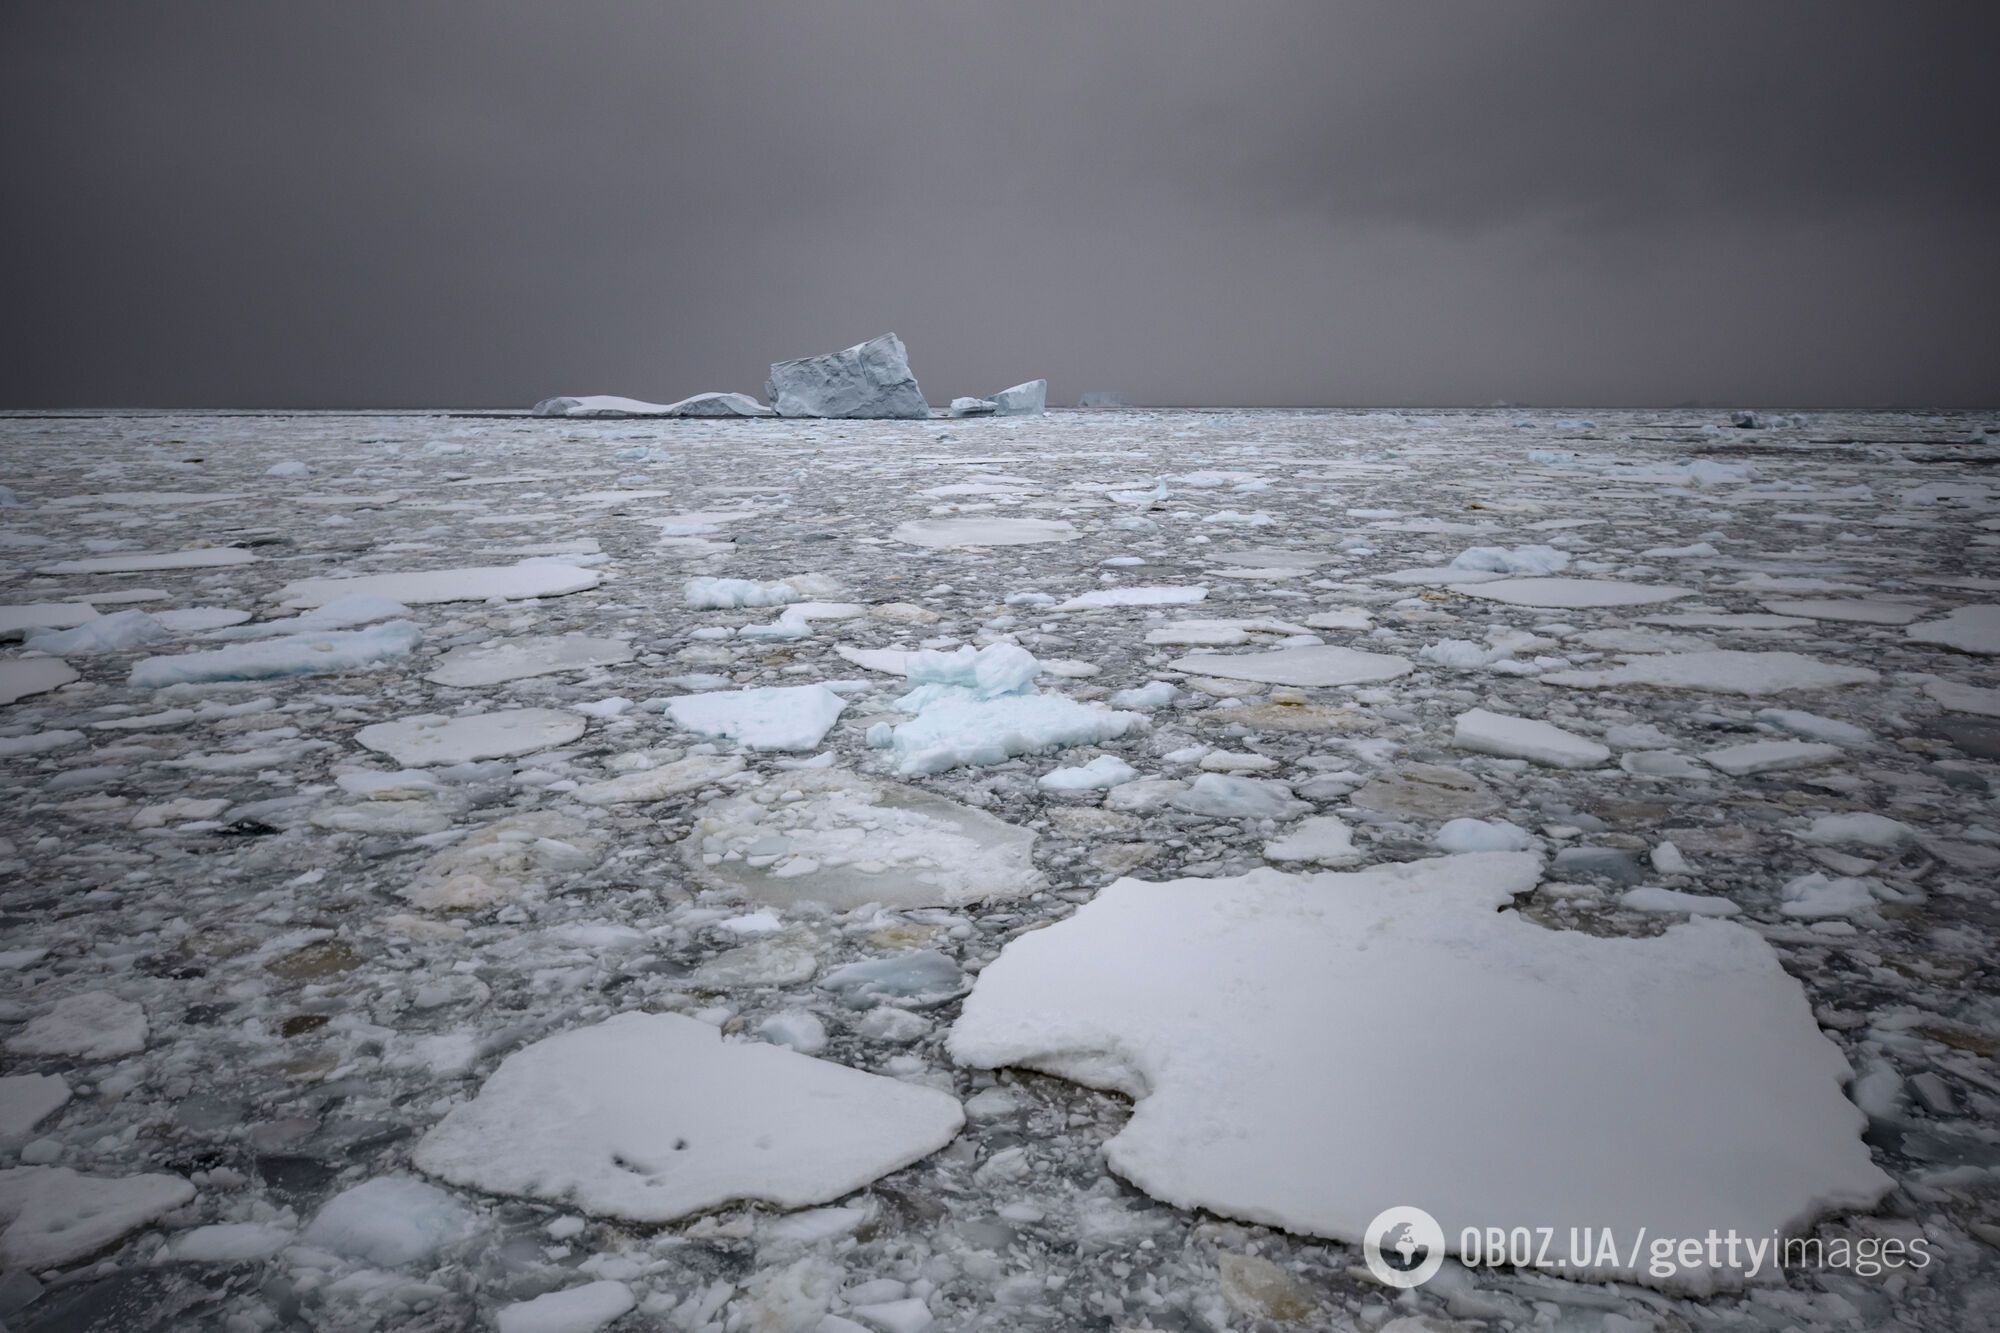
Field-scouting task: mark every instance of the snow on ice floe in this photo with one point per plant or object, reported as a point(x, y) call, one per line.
point(90, 1025)
point(842, 840)
point(21, 677)
point(1858, 610)
point(54, 1215)
point(984, 531)
point(1725, 672)
point(654, 1117)
point(206, 557)
point(663, 781)
point(1769, 756)
point(1960, 698)
point(584, 1308)
point(421, 742)
point(517, 659)
point(529, 578)
point(1525, 738)
point(18, 620)
point(778, 717)
point(1316, 665)
point(1099, 598)
point(980, 706)
point(1969, 629)
point(715, 594)
point(28, 1099)
point(1690, 1088)
point(288, 655)
point(1576, 594)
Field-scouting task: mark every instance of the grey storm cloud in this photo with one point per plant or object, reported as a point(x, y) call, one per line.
point(458, 204)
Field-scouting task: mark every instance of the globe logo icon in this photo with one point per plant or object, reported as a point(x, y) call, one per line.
point(1403, 1246)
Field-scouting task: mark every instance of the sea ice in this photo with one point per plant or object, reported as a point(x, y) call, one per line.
point(17, 620)
point(713, 594)
point(55, 1216)
point(1725, 672)
point(206, 557)
point(1857, 610)
point(1482, 835)
point(653, 1117)
point(420, 742)
point(1308, 666)
point(516, 659)
point(610, 405)
point(389, 1221)
point(28, 1099)
point(657, 784)
point(290, 655)
point(782, 717)
point(1100, 774)
point(870, 379)
point(1525, 738)
point(23, 676)
point(1323, 839)
point(1961, 698)
point(1519, 560)
point(90, 1025)
point(1969, 629)
point(1769, 756)
point(483, 583)
point(1576, 593)
point(984, 531)
point(1691, 1088)
point(1098, 598)
point(842, 840)
point(1222, 796)
point(580, 1309)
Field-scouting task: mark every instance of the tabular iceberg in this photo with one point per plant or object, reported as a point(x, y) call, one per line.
point(610, 405)
point(870, 379)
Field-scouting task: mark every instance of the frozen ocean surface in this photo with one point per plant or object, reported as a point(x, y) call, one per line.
point(443, 741)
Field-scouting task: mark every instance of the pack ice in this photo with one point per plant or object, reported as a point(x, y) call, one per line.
point(1275, 1029)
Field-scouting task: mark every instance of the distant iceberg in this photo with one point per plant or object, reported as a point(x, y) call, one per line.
point(1102, 398)
point(609, 405)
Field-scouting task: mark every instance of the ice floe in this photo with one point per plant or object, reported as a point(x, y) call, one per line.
point(653, 1117)
point(530, 578)
point(1723, 671)
point(482, 664)
point(1576, 594)
point(778, 717)
point(1308, 666)
point(1206, 1000)
point(289, 655)
point(421, 742)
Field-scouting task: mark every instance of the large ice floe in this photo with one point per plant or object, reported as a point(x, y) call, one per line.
point(1969, 629)
point(21, 677)
point(653, 1117)
point(1306, 1051)
point(286, 655)
point(775, 717)
point(1725, 672)
point(480, 664)
point(841, 840)
point(1315, 665)
point(870, 379)
point(418, 742)
point(984, 531)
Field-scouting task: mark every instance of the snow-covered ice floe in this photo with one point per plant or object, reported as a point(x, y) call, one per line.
point(288, 655)
point(610, 405)
point(1675, 1084)
point(530, 578)
point(417, 742)
point(1316, 665)
point(1724, 672)
point(776, 717)
point(653, 1117)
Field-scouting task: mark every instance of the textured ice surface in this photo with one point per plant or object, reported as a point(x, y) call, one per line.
point(54, 1215)
point(845, 840)
point(793, 717)
point(417, 742)
point(517, 659)
point(1692, 1089)
point(651, 1117)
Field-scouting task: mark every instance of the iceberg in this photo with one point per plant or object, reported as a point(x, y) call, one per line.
point(973, 407)
point(610, 405)
point(1023, 400)
point(870, 379)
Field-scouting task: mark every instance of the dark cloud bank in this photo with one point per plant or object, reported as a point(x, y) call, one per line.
point(397, 204)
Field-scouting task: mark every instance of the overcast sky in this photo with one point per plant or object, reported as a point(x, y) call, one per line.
point(1231, 202)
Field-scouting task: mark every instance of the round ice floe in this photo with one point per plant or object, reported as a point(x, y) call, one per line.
point(416, 742)
point(847, 840)
point(1722, 672)
point(1576, 594)
point(1308, 666)
point(516, 659)
point(984, 531)
point(653, 1117)
point(1691, 1087)
point(1859, 610)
